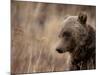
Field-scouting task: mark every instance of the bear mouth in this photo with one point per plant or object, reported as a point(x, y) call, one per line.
point(60, 51)
point(63, 51)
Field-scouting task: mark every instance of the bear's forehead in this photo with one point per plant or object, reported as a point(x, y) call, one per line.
point(73, 25)
point(71, 19)
point(71, 22)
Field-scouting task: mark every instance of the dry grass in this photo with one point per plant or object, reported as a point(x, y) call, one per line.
point(35, 27)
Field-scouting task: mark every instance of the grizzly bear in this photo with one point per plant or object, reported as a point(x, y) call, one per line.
point(78, 38)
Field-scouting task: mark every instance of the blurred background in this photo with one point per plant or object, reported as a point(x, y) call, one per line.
point(34, 34)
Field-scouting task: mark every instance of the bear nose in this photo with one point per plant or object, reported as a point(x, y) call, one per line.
point(59, 50)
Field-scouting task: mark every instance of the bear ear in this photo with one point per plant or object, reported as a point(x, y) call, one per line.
point(82, 18)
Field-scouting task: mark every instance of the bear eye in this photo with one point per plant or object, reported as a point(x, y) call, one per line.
point(66, 34)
